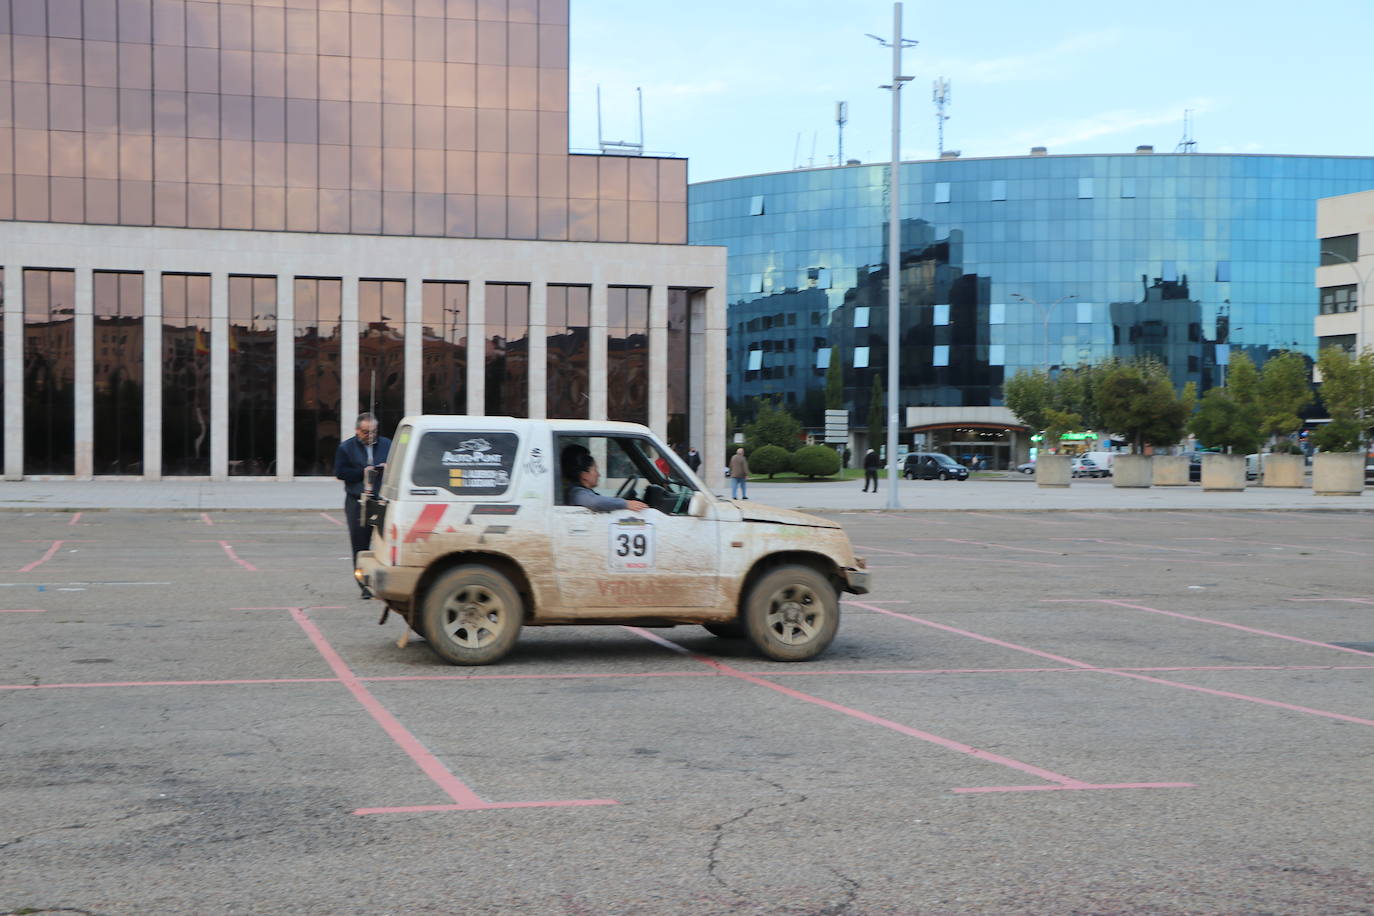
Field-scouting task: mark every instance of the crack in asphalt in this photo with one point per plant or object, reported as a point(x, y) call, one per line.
point(713, 854)
point(102, 823)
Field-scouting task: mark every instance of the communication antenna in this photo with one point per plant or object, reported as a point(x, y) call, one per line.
point(620, 147)
point(941, 97)
point(841, 119)
point(1187, 144)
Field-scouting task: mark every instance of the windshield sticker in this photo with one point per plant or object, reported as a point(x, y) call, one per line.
point(465, 464)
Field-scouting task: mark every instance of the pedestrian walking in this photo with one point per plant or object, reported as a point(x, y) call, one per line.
point(871, 470)
point(693, 459)
point(739, 475)
point(365, 452)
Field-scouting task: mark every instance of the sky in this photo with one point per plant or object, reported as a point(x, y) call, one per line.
point(750, 86)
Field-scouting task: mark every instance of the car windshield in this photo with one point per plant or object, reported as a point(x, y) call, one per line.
point(945, 460)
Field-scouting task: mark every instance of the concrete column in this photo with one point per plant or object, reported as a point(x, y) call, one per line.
point(219, 376)
point(348, 356)
point(414, 346)
point(596, 351)
point(713, 389)
point(658, 362)
point(83, 354)
point(286, 377)
point(14, 372)
point(477, 347)
point(152, 374)
point(539, 346)
point(696, 369)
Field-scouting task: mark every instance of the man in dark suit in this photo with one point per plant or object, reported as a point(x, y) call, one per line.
point(355, 458)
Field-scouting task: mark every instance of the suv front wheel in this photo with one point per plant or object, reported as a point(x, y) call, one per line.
point(472, 615)
point(792, 613)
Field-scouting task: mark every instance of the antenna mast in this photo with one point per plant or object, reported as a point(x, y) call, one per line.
point(841, 119)
point(1187, 144)
point(940, 95)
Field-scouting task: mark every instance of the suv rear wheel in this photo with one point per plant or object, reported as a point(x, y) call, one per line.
point(792, 613)
point(472, 615)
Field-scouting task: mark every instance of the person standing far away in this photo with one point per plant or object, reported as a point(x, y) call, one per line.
point(693, 459)
point(739, 475)
point(365, 452)
point(871, 470)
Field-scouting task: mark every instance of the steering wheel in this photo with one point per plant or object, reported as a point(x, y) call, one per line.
point(627, 489)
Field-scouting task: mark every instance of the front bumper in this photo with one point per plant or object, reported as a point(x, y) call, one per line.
point(392, 584)
point(856, 580)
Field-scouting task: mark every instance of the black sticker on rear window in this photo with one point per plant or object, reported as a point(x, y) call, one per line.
point(466, 464)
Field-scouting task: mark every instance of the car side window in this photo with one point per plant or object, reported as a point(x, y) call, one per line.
point(630, 467)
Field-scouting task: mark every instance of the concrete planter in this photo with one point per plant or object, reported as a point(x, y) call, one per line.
point(1053, 470)
point(1282, 470)
point(1170, 470)
point(1223, 472)
point(1132, 471)
point(1338, 474)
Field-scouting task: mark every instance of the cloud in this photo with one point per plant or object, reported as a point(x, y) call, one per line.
point(1020, 68)
point(1107, 123)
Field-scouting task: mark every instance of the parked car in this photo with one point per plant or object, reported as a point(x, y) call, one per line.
point(1026, 468)
point(1086, 467)
point(932, 466)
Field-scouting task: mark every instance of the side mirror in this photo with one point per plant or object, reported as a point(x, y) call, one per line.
point(699, 506)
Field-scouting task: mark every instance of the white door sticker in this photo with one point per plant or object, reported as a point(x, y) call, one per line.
point(632, 546)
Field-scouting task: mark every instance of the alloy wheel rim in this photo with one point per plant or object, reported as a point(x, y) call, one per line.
point(794, 615)
point(474, 617)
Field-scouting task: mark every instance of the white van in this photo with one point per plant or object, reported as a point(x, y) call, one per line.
point(473, 539)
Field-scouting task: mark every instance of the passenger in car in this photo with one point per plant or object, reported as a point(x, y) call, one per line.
point(582, 474)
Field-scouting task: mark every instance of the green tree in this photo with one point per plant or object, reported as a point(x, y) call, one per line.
point(1038, 400)
point(770, 460)
point(877, 415)
point(1285, 388)
point(1137, 401)
point(815, 461)
point(1347, 389)
point(773, 425)
point(834, 382)
point(1222, 422)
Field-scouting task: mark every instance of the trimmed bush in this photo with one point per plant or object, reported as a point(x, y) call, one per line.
point(770, 460)
point(816, 461)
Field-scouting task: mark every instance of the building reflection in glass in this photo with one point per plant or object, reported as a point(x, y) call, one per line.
point(381, 351)
point(507, 361)
point(118, 372)
point(185, 374)
point(318, 311)
point(252, 375)
point(569, 321)
point(444, 348)
point(679, 357)
point(627, 353)
point(49, 367)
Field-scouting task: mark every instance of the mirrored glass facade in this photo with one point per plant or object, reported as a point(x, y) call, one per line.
point(186, 339)
point(627, 354)
point(252, 376)
point(318, 313)
point(1016, 263)
point(381, 350)
point(117, 302)
point(49, 371)
point(444, 321)
point(508, 349)
point(568, 351)
point(423, 117)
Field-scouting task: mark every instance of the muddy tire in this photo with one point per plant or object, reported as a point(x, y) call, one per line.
point(792, 613)
point(471, 616)
point(729, 629)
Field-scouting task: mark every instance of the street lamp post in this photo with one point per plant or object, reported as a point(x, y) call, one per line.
point(1046, 312)
point(1361, 341)
point(894, 250)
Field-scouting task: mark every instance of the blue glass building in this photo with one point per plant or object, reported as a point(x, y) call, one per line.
point(1014, 263)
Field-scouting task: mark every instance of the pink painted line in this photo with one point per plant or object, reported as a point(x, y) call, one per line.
point(75, 518)
point(26, 610)
point(205, 517)
point(45, 558)
point(464, 798)
point(233, 683)
point(531, 677)
point(1116, 542)
point(331, 518)
point(1117, 672)
point(1086, 787)
point(1207, 620)
point(957, 746)
point(1351, 600)
point(235, 557)
point(414, 809)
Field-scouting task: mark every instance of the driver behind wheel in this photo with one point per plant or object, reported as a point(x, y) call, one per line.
point(582, 474)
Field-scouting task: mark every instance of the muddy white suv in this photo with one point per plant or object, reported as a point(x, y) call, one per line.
point(473, 538)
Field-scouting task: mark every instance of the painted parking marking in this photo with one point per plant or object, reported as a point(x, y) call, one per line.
point(933, 556)
point(1119, 672)
point(56, 545)
point(1217, 623)
point(75, 518)
point(205, 517)
point(1309, 547)
point(1351, 600)
point(330, 518)
point(1059, 781)
point(236, 558)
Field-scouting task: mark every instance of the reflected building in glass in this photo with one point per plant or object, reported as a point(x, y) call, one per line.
point(1013, 263)
point(304, 209)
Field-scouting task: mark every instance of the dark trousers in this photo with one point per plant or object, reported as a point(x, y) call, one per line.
point(358, 536)
point(871, 476)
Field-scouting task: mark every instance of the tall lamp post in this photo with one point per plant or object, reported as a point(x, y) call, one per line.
point(1361, 341)
point(894, 250)
point(1046, 312)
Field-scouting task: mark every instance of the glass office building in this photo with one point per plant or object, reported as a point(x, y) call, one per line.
point(228, 226)
point(1013, 263)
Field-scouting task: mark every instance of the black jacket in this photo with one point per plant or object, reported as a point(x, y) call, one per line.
point(351, 459)
point(871, 461)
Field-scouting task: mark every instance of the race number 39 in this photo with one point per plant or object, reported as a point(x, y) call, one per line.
point(631, 548)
